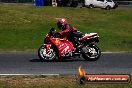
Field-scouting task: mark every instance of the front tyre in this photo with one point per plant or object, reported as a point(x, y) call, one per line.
point(108, 7)
point(47, 55)
point(91, 53)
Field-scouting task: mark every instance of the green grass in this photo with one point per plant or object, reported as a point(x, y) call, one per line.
point(52, 82)
point(23, 27)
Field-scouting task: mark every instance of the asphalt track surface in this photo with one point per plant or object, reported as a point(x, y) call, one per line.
point(29, 63)
point(126, 6)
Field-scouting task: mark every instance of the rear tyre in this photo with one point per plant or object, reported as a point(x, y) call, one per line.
point(91, 53)
point(49, 55)
point(108, 8)
point(91, 6)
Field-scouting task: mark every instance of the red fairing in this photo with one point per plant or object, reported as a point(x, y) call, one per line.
point(46, 39)
point(64, 46)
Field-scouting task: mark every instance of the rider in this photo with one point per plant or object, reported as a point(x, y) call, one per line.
point(67, 31)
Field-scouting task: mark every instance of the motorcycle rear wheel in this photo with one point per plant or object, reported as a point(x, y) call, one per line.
point(92, 53)
point(47, 56)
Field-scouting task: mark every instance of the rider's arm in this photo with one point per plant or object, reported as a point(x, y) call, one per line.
point(65, 30)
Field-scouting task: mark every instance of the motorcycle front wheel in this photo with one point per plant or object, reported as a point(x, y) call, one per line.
point(46, 55)
point(91, 53)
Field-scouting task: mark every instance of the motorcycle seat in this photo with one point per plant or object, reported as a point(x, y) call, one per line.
point(86, 36)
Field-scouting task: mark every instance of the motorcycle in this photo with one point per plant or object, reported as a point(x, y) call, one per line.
point(56, 47)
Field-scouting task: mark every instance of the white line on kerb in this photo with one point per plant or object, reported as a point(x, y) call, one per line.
point(28, 74)
point(32, 74)
point(116, 52)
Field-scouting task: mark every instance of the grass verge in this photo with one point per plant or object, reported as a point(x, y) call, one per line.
point(23, 27)
point(51, 82)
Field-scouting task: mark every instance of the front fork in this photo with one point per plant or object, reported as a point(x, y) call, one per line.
point(46, 49)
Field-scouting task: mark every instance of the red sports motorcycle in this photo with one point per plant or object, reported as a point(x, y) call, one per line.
point(55, 47)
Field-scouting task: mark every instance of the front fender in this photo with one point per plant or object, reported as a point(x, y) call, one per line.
point(47, 46)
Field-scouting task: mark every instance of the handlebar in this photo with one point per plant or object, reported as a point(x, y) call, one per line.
point(54, 33)
point(57, 34)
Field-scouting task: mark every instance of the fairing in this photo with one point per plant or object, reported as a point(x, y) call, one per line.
point(63, 46)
